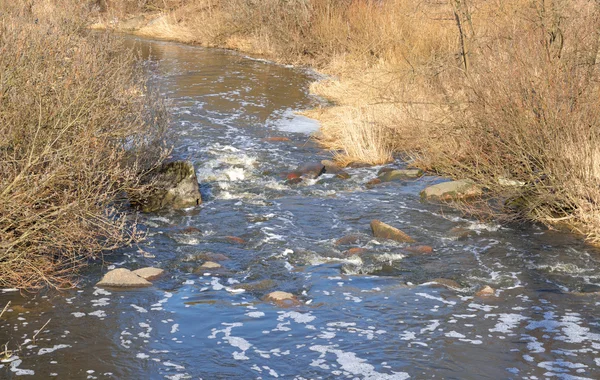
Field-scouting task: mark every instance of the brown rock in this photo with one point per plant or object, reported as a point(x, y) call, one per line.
point(256, 286)
point(277, 139)
point(210, 265)
point(372, 183)
point(453, 190)
point(235, 239)
point(424, 249)
point(451, 284)
point(342, 175)
point(486, 291)
point(191, 231)
point(282, 299)
point(385, 231)
point(355, 251)
point(357, 164)
point(293, 178)
point(123, 278)
point(149, 273)
point(348, 239)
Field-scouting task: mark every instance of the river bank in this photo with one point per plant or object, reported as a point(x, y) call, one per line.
point(502, 94)
point(369, 307)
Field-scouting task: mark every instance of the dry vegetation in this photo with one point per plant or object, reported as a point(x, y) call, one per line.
point(504, 92)
point(77, 126)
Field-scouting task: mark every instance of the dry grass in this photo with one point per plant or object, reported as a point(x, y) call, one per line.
point(78, 125)
point(503, 92)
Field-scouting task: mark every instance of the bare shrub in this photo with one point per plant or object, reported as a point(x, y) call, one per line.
point(530, 121)
point(77, 125)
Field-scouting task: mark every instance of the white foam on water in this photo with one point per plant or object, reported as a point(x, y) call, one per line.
point(389, 257)
point(142, 356)
point(174, 328)
point(255, 314)
point(486, 308)
point(454, 334)
point(100, 302)
point(78, 314)
point(431, 327)
point(507, 322)
point(139, 308)
point(216, 284)
point(101, 292)
point(233, 341)
point(14, 367)
point(44, 351)
point(353, 365)
point(431, 297)
point(296, 317)
point(98, 313)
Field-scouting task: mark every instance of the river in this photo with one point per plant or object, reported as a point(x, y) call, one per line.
point(372, 315)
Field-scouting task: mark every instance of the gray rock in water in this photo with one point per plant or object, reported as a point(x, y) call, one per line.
point(311, 170)
point(123, 278)
point(382, 230)
point(149, 273)
point(172, 185)
point(400, 174)
point(453, 190)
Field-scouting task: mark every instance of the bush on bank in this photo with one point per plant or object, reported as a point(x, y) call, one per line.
point(77, 127)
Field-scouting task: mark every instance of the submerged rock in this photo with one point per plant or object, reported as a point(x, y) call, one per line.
point(453, 190)
point(204, 256)
point(149, 273)
point(424, 249)
point(348, 239)
point(172, 185)
point(343, 175)
point(277, 139)
point(235, 239)
point(191, 231)
point(372, 183)
point(385, 231)
point(446, 282)
point(256, 286)
point(355, 251)
point(282, 299)
point(123, 278)
point(399, 174)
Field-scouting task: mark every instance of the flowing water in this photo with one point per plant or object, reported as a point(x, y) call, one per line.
point(372, 315)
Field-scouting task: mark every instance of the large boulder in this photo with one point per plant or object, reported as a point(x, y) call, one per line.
point(453, 190)
point(172, 185)
point(123, 278)
point(385, 231)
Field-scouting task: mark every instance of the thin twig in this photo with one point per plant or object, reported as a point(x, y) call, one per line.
point(45, 324)
point(5, 307)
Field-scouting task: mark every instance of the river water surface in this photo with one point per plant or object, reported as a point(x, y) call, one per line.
point(377, 315)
